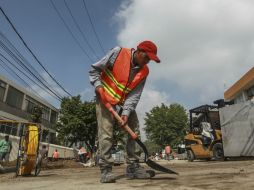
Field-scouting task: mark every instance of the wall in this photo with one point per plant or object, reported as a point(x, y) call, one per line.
point(64, 152)
point(237, 126)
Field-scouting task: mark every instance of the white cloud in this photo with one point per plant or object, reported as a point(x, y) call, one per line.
point(204, 46)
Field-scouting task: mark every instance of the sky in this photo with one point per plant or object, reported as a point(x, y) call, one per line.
point(204, 46)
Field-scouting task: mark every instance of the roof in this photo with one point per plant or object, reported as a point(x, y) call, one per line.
point(25, 91)
point(244, 83)
point(203, 108)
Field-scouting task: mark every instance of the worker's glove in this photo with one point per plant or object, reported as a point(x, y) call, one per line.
point(124, 120)
point(100, 92)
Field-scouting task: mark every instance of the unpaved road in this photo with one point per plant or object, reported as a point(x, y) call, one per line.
point(196, 175)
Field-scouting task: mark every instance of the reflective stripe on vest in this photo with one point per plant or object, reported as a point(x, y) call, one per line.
point(115, 80)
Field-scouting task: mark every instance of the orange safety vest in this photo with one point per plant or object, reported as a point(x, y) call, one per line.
point(116, 82)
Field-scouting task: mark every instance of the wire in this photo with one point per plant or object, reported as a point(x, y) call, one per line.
point(91, 22)
point(68, 28)
point(26, 75)
point(23, 61)
point(32, 52)
point(11, 72)
point(77, 25)
point(26, 68)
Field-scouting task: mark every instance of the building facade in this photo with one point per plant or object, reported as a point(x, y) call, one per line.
point(242, 90)
point(17, 103)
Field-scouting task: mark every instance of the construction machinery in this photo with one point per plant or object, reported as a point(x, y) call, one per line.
point(28, 159)
point(204, 140)
point(28, 152)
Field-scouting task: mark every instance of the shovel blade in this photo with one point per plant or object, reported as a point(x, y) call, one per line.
point(158, 167)
point(153, 164)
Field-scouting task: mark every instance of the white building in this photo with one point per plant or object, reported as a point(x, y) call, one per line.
point(17, 103)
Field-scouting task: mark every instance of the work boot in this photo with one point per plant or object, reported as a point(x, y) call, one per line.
point(135, 171)
point(107, 175)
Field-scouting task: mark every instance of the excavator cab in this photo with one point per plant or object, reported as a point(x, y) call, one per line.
point(204, 140)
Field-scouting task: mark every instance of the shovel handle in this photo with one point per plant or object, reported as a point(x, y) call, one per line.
point(125, 127)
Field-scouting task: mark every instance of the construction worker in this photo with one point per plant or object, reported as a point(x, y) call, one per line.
point(55, 155)
point(167, 152)
point(119, 79)
point(82, 154)
point(5, 148)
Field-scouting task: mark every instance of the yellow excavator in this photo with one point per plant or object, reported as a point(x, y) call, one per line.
point(204, 140)
point(28, 150)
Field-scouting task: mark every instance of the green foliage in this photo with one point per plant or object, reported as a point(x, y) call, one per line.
point(152, 147)
point(36, 114)
point(166, 124)
point(77, 121)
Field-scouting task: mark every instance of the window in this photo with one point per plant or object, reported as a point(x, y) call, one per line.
point(14, 98)
point(53, 117)
point(45, 136)
point(2, 90)
point(45, 113)
point(30, 104)
point(250, 92)
point(9, 128)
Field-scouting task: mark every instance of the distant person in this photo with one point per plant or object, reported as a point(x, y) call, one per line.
point(207, 133)
point(157, 157)
point(82, 153)
point(43, 153)
point(181, 148)
point(167, 152)
point(5, 148)
point(55, 155)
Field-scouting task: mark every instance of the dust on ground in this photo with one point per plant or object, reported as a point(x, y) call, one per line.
point(196, 175)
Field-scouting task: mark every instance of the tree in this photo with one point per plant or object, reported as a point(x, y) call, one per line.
point(77, 122)
point(152, 147)
point(166, 124)
point(36, 114)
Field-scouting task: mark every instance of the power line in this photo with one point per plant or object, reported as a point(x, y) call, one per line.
point(77, 25)
point(25, 64)
point(26, 68)
point(32, 52)
point(26, 76)
point(11, 72)
point(68, 28)
point(91, 22)
point(23, 60)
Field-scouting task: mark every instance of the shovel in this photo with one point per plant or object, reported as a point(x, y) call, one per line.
point(134, 136)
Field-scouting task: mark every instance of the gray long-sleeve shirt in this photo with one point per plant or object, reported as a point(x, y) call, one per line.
point(133, 97)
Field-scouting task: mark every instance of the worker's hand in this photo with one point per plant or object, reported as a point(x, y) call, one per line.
point(124, 120)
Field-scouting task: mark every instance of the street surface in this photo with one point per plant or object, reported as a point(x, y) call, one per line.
point(198, 175)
